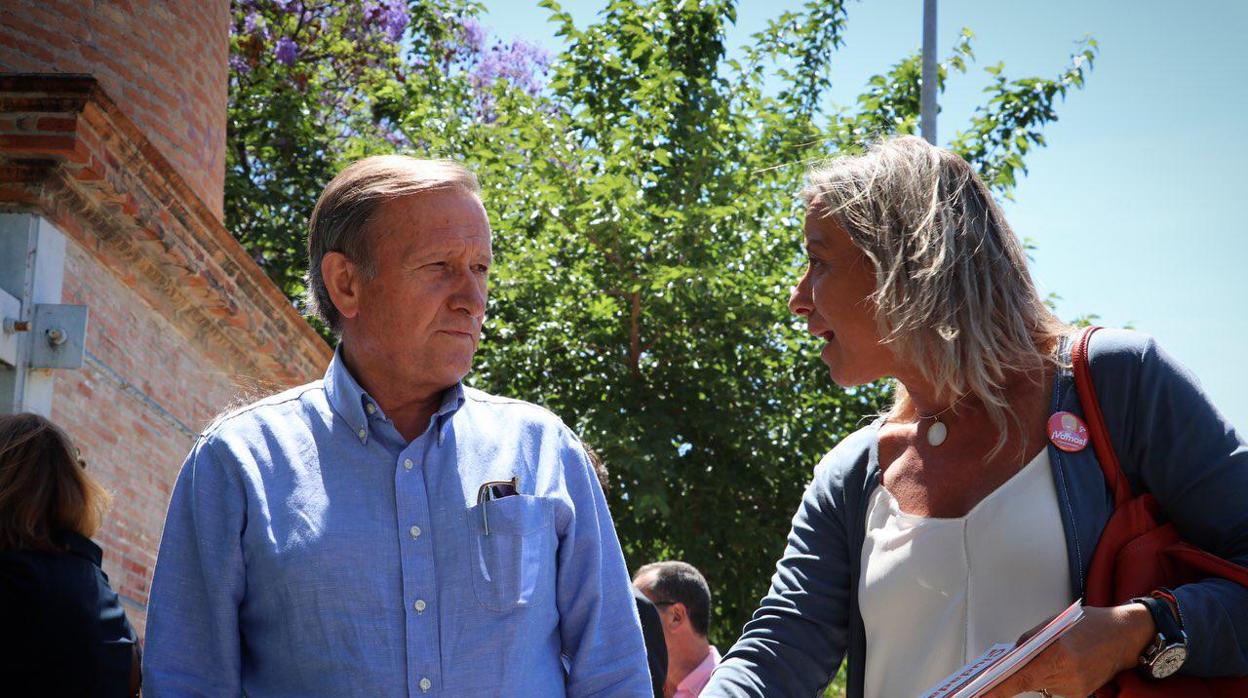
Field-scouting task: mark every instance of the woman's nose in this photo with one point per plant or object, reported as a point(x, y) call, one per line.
point(799, 298)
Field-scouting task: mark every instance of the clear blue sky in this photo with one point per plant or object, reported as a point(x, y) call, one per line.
point(1137, 203)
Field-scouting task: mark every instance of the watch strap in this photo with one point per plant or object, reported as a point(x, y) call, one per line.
point(1167, 625)
point(1156, 659)
point(1173, 602)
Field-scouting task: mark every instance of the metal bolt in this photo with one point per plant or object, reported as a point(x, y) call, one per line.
point(57, 336)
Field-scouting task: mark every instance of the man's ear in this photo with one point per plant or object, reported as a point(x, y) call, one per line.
point(342, 281)
point(678, 614)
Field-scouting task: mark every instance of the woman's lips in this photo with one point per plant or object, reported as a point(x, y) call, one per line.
point(825, 335)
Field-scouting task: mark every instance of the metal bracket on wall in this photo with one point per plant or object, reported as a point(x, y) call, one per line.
point(58, 336)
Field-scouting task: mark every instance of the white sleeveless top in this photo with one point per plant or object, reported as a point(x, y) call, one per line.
point(936, 593)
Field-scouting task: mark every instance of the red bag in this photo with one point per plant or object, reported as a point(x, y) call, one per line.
point(1139, 551)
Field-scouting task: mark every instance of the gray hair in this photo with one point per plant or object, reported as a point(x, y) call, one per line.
point(953, 294)
point(340, 220)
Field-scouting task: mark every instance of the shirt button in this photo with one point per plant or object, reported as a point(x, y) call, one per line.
point(363, 432)
point(407, 463)
point(425, 685)
point(415, 531)
point(371, 408)
point(419, 605)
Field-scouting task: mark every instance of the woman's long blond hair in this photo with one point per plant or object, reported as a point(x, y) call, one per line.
point(44, 487)
point(954, 296)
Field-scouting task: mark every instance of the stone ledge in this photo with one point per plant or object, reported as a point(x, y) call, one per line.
point(69, 154)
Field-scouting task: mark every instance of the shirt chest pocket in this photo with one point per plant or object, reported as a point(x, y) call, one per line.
point(512, 552)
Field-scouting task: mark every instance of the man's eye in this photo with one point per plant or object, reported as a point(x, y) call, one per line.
point(482, 268)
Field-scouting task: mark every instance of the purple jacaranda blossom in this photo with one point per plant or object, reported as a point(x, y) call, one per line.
point(289, 5)
point(354, 31)
point(472, 35)
point(394, 19)
point(376, 16)
point(531, 53)
point(239, 65)
point(254, 25)
point(395, 139)
point(518, 63)
point(287, 51)
point(485, 113)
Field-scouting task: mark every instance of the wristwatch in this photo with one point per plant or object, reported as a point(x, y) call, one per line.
point(1167, 652)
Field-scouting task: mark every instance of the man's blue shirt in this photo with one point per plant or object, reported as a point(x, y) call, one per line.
point(310, 550)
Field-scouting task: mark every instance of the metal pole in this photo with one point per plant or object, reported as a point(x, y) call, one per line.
point(927, 115)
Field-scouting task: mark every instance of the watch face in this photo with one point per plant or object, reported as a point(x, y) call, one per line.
point(1168, 661)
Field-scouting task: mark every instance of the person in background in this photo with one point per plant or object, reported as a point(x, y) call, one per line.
point(683, 597)
point(389, 531)
point(651, 623)
point(62, 629)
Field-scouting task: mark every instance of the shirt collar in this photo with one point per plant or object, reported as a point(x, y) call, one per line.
point(452, 400)
point(346, 396)
point(700, 676)
point(356, 406)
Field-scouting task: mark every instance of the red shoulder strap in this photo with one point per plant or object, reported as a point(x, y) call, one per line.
point(1096, 421)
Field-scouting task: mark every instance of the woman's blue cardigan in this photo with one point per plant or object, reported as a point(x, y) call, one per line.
point(1171, 441)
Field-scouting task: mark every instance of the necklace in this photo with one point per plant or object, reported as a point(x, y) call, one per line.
point(938, 432)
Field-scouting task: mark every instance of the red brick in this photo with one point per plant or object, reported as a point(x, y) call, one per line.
point(34, 32)
point(86, 133)
point(31, 55)
point(68, 10)
point(25, 144)
point(89, 173)
point(17, 195)
point(97, 58)
point(44, 16)
point(56, 123)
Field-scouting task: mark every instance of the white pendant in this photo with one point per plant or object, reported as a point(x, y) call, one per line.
point(936, 433)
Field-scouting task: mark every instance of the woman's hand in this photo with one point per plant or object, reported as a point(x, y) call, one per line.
point(1105, 642)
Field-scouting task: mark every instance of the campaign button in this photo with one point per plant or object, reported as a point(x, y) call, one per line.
point(1068, 432)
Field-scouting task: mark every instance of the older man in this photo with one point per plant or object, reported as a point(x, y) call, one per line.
point(388, 531)
point(683, 598)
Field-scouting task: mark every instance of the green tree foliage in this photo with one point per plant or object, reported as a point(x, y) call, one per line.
point(297, 86)
point(642, 186)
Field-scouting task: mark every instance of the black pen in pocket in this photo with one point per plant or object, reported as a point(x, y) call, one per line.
point(488, 492)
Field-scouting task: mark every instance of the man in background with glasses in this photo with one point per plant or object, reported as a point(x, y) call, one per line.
point(683, 599)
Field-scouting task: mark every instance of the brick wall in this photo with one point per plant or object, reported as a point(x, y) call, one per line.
point(69, 151)
point(181, 318)
point(163, 62)
point(133, 409)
